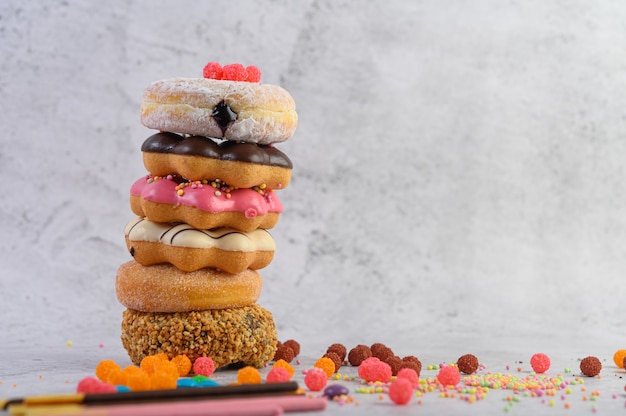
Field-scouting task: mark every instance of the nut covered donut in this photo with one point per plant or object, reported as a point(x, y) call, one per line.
point(164, 288)
point(190, 249)
point(241, 165)
point(224, 109)
point(244, 336)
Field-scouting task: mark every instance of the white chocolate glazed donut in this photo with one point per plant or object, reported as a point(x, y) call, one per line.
point(190, 249)
point(231, 110)
point(164, 288)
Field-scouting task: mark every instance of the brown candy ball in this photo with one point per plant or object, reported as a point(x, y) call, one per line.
point(395, 363)
point(590, 366)
point(283, 352)
point(467, 363)
point(294, 345)
point(338, 349)
point(411, 361)
point(358, 354)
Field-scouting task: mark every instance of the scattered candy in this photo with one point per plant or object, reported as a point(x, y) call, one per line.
point(540, 363)
point(315, 379)
point(204, 366)
point(401, 391)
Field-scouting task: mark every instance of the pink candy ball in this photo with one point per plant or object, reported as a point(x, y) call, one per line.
point(401, 391)
point(449, 375)
point(409, 374)
point(278, 375)
point(372, 369)
point(204, 366)
point(540, 363)
point(315, 379)
point(91, 385)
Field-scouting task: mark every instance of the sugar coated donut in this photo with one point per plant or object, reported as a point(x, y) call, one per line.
point(164, 288)
point(190, 249)
point(245, 336)
point(203, 205)
point(241, 111)
point(241, 165)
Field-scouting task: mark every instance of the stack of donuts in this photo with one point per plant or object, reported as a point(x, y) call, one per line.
point(203, 214)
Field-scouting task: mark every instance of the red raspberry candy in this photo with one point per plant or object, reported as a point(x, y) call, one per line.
point(254, 75)
point(213, 70)
point(235, 72)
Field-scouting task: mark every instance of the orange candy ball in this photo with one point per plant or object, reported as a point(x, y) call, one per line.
point(248, 375)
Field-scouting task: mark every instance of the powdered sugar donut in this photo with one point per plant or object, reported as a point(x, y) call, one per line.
point(190, 249)
point(232, 110)
point(241, 165)
point(164, 288)
point(202, 205)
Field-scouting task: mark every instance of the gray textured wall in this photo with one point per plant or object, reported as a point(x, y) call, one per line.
point(458, 165)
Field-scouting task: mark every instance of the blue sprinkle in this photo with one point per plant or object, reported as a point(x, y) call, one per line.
point(122, 389)
point(186, 382)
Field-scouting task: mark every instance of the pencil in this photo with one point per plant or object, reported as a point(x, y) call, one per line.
point(256, 406)
point(150, 396)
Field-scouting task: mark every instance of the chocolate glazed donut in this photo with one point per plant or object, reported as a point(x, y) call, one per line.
point(242, 165)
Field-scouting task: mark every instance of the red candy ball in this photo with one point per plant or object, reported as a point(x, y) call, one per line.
point(278, 375)
point(409, 374)
point(449, 375)
point(540, 363)
point(315, 379)
point(204, 366)
point(91, 385)
point(372, 369)
point(401, 391)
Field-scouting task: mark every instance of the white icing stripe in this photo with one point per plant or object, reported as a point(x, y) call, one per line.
point(184, 235)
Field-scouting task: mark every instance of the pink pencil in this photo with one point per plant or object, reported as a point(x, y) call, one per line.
point(262, 406)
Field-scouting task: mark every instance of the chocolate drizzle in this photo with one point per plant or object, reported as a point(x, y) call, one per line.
point(166, 142)
point(223, 115)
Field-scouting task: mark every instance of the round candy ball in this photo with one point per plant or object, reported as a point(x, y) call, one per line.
point(401, 391)
point(590, 366)
point(204, 366)
point(449, 375)
point(540, 363)
point(409, 374)
point(315, 379)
